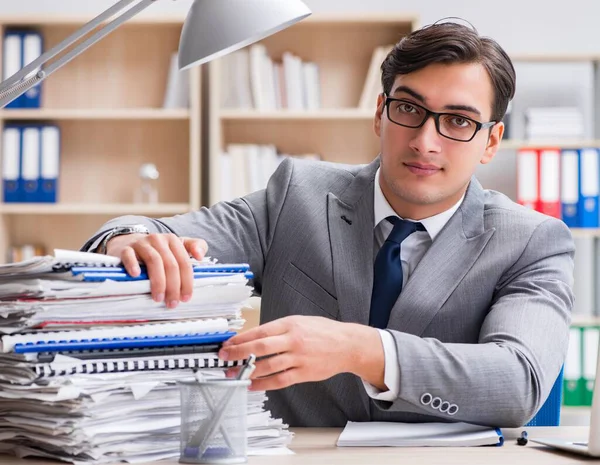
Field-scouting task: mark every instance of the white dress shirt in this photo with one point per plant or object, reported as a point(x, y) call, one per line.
point(412, 250)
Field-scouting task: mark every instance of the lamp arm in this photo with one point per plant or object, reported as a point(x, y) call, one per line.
point(14, 86)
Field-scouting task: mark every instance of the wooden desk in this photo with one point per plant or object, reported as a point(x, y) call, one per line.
point(316, 446)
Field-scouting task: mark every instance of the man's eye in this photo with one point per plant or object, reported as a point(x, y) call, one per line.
point(406, 108)
point(460, 122)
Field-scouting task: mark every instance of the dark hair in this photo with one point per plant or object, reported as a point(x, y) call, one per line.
point(449, 43)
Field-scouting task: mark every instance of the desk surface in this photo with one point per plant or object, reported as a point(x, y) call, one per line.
point(316, 446)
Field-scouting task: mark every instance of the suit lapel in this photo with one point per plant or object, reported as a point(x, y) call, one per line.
point(444, 265)
point(352, 245)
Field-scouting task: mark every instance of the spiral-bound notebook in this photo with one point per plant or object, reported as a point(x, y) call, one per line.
point(60, 260)
point(215, 325)
point(63, 366)
point(64, 260)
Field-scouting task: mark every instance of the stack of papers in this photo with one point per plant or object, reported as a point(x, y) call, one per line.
point(89, 363)
point(375, 434)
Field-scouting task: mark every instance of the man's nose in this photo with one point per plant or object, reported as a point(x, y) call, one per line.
point(426, 138)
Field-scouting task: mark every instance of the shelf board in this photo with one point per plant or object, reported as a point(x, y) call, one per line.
point(144, 18)
point(585, 320)
point(554, 57)
point(93, 209)
point(96, 114)
point(585, 232)
point(150, 18)
point(358, 18)
point(512, 144)
point(334, 114)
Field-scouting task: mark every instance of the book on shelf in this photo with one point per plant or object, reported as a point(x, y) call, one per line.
point(251, 79)
point(585, 276)
point(372, 86)
point(19, 253)
point(580, 366)
point(30, 163)
point(177, 93)
point(21, 47)
point(554, 123)
point(246, 168)
point(559, 182)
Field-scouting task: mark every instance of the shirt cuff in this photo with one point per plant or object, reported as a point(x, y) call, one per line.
point(391, 376)
point(92, 245)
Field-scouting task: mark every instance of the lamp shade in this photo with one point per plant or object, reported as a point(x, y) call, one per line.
point(214, 28)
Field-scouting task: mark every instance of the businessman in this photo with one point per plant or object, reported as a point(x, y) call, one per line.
point(400, 290)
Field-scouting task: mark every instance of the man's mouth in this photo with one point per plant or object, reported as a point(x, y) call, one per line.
point(422, 169)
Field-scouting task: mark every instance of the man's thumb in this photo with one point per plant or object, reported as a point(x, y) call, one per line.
point(197, 248)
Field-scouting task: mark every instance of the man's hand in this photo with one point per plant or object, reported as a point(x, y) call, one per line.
point(308, 348)
point(167, 259)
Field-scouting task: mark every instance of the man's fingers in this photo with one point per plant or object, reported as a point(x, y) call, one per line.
point(278, 381)
point(167, 261)
point(171, 269)
point(130, 261)
point(273, 328)
point(272, 365)
point(186, 274)
point(197, 248)
point(156, 271)
point(260, 348)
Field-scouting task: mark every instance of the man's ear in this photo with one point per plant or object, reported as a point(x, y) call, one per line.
point(378, 115)
point(493, 143)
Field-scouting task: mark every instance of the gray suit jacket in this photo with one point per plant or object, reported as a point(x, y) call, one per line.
point(482, 323)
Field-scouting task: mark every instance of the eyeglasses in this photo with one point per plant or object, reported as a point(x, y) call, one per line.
point(449, 125)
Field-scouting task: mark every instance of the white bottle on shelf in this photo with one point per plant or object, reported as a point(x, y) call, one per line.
point(147, 191)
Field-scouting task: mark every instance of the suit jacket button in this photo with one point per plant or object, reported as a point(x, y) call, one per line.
point(426, 398)
point(452, 409)
point(436, 402)
point(444, 407)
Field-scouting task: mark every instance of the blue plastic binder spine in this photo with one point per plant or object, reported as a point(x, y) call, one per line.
point(30, 163)
point(226, 268)
point(100, 276)
point(123, 343)
point(13, 61)
point(11, 163)
point(32, 49)
point(589, 187)
point(570, 187)
point(50, 163)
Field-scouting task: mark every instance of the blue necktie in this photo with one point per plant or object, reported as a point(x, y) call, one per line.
point(387, 279)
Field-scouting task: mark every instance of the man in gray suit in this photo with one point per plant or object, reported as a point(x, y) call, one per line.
point(396, 291)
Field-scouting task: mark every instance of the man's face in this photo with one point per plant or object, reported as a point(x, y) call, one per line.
point(422, 172)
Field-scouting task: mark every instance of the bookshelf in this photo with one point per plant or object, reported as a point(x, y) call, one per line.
point(339, 131)
point(108, 104)
point(568, 59)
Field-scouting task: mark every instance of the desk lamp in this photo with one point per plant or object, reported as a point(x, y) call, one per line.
point(212, 28)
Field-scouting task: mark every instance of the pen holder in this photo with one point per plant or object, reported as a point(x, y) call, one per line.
point(213, 421)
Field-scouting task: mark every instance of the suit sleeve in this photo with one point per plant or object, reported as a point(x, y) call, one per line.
point(236, 231)
point(505, 378)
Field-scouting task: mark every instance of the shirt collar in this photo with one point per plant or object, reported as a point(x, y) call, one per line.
point(433, 224)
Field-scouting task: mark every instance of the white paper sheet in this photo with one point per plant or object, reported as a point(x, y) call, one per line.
point(417, 434)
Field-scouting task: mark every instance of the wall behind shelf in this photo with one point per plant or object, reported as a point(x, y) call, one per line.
point(521, 27)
